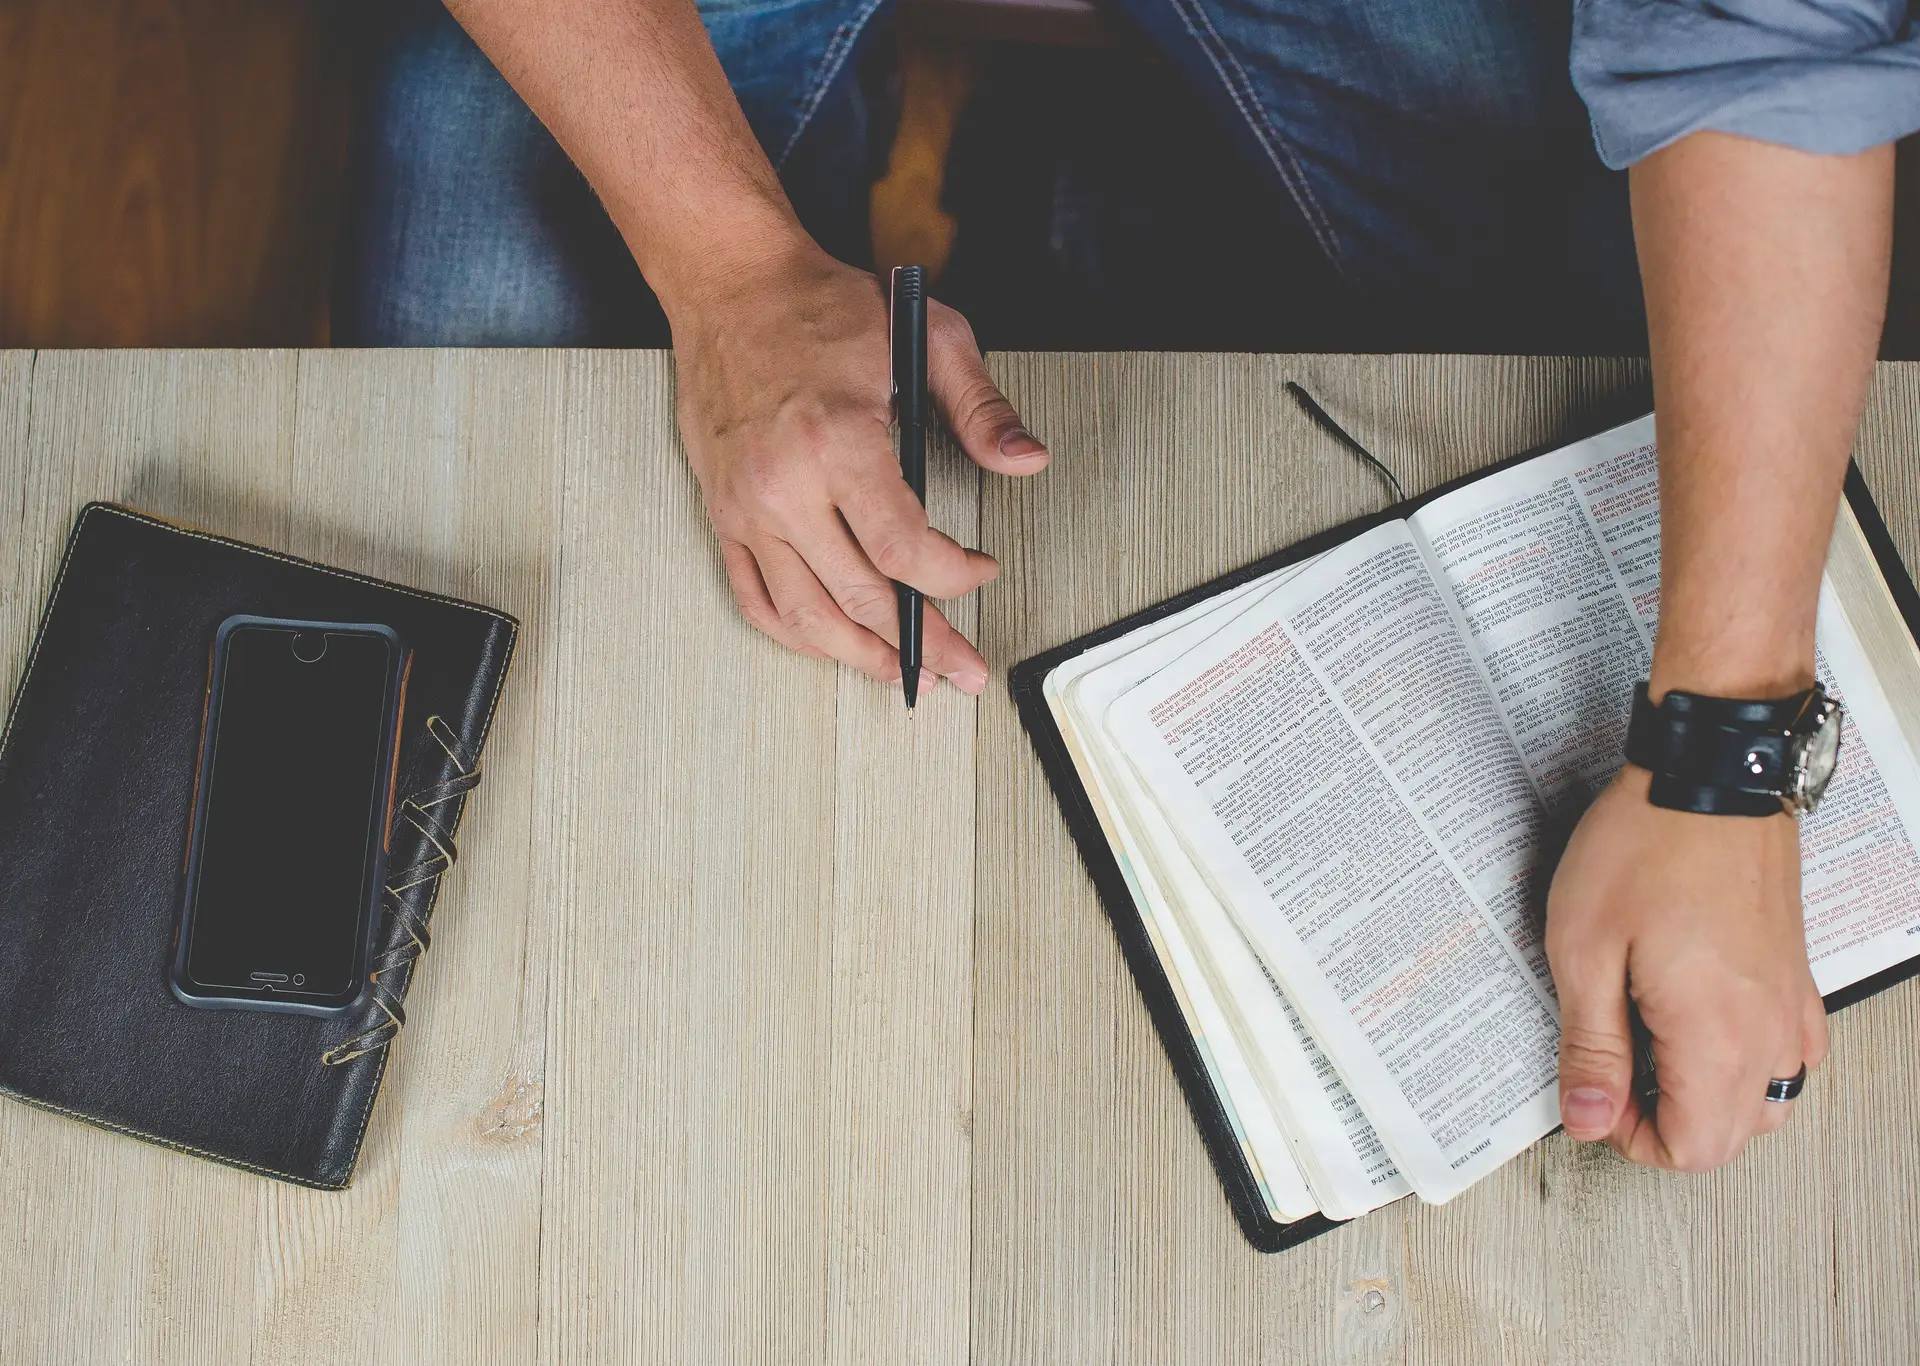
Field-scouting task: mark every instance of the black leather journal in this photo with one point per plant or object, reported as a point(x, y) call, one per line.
point(1186, 1051)
point(97, 772)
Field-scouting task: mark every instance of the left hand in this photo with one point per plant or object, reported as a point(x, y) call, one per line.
point(1698, 918)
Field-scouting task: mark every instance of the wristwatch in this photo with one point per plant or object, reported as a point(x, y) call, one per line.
point(1723, 756)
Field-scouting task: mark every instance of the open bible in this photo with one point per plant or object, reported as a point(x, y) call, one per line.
point(1322, 800)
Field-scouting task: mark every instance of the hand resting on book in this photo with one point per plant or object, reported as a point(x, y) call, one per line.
point(1702, 915)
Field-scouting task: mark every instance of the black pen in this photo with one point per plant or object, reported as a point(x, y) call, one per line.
point(909, 328)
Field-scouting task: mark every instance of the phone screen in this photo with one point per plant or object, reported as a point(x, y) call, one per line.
point(297, 777)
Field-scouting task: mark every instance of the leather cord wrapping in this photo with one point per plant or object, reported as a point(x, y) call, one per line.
point(409, 895)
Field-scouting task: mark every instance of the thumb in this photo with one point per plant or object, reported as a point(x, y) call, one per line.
point(1596, 1048)
point(985, 424)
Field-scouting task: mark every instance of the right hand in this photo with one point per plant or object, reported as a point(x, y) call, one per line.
point(785, 395)
point(1698, 920)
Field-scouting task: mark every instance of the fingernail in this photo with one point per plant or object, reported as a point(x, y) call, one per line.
point(1587, 1109)
point(927, 683)
point(970, 682)
point(1020, 444)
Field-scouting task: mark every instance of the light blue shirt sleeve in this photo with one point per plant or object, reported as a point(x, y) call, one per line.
point(1832, 76)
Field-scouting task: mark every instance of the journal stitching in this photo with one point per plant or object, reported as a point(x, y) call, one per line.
point(178, 1147)
point(6, 735)
point(133, 516)
point(830, 63)
point(1271, 140)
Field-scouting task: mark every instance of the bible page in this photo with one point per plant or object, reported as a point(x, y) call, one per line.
point(1546, 600)
point(1859, 867)
point(1296, 752)
point(1264, 1142)
point(1345, 1164)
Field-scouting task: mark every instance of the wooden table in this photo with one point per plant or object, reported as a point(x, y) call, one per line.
point(690, 1079)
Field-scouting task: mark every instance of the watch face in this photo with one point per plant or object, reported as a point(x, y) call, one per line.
point(1817, 754)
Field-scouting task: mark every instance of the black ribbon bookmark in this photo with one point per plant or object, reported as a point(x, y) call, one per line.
point(1333, 429)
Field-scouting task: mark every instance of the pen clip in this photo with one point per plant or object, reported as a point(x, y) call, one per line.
point(907, 343)
point(900, 298)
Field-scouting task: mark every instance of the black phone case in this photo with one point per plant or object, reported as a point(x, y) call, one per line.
point(185, 989)
point(97, 769)
point(1025, 682)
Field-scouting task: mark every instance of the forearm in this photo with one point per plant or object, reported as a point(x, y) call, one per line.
point(1766, 274)
point(633, 92)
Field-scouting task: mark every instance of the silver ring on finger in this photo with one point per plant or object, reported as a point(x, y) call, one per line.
point(1781, 1090)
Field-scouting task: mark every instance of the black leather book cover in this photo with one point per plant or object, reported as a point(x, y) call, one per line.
point(1026, 681)
point(97, 769)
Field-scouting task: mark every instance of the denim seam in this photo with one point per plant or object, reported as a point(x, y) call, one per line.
point(831, 61)
point(1239, 87)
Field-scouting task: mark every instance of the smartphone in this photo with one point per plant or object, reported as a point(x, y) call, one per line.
point(288, 846)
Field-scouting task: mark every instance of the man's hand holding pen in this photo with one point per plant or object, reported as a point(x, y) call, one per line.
point(785, 402)
point(907, 330)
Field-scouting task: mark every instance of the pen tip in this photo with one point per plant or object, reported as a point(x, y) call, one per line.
point(910, 686)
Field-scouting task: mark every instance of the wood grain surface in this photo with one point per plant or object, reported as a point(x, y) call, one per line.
point(764, 1024)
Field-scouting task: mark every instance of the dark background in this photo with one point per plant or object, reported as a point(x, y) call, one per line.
point(172, 171)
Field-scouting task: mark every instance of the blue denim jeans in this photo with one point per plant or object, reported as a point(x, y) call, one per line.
point(1434, 150)
point(468, 226)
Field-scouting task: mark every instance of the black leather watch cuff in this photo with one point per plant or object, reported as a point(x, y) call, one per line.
point(1677, 795)
point(1713, 755)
